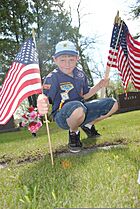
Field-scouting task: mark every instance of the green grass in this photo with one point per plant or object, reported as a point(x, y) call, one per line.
point(102, 178)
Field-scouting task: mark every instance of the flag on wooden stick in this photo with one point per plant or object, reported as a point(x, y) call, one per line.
point(22, 80)
point(124, 54)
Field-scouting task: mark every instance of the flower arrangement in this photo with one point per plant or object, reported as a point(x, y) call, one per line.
point(32, 119)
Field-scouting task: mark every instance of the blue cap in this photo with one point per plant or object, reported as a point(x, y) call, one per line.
point(65, 48)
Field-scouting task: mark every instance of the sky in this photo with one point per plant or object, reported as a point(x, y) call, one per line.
point(98, 18)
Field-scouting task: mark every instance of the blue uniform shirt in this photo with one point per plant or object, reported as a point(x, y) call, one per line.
point(59, 86)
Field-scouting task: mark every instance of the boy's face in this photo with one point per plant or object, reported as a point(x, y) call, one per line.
point(66, 63)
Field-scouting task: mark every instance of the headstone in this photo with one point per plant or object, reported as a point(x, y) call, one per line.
point(9, 126)
point(129, 102)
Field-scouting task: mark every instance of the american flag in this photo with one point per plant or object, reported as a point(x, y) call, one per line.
point(22, 80)
point(124, 54)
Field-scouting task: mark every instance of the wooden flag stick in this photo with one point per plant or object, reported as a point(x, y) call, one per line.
point(46, 120)
point(49, 139)
point(33, 35)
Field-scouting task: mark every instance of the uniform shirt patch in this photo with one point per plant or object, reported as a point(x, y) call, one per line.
point(80, 74)
point(64, 96)
point(66, 86)
point(47, 86)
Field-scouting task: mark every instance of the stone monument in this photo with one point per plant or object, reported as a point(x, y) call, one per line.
point(9, 126)
point(129, 102)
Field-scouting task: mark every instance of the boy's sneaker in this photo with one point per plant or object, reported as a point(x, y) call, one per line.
point(74, 145)
point(91, 132)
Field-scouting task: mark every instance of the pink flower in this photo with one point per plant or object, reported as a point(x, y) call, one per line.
point(23, 124)
point(33, 115)
point(32, 129)
point(39, 124)
point(31, 109)
point(39, 115)
point(34, 126)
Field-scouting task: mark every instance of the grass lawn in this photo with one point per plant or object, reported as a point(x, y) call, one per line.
point(98, 179)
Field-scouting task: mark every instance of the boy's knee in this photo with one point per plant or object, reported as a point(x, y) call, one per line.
point(79, 112)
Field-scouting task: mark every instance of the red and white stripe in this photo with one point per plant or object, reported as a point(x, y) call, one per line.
point(123, 67)
point(21, 81)
point(112, 58)
point(133, 47)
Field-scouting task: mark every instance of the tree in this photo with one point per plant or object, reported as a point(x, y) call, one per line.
point(17, 18)
point(82, 44)
point(135, 11)
point(15, 24)
point(52, 24)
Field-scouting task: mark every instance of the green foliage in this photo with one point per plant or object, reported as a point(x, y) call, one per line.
point(102, 178)
point(52, 24)
point(8, 51)
point(135, 11)
point(15, 24)
point(56, 28)
point(115, 88)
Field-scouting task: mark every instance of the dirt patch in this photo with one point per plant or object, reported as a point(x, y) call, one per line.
point(87, 149)
point(5, 160)
point(30, 158)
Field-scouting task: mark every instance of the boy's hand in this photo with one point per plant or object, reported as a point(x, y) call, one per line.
point(43, 104)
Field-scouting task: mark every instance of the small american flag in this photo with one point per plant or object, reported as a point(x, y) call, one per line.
point(22, 80)
point(124, 54)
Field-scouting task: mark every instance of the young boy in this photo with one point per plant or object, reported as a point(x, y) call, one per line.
point(66, 88)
